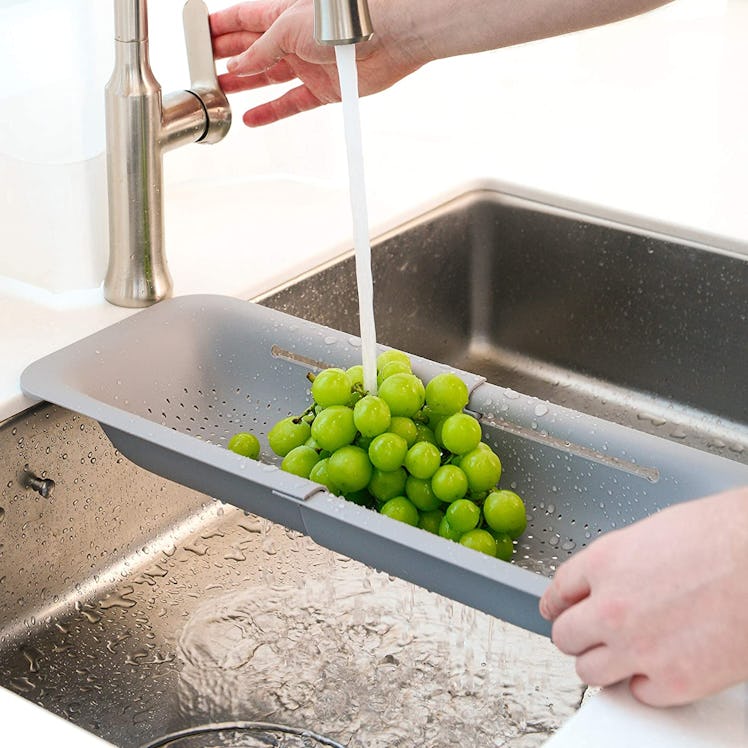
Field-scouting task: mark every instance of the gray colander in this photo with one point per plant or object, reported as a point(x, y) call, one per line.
point(171, 384)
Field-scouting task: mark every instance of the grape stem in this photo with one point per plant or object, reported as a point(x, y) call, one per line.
point(308, 412)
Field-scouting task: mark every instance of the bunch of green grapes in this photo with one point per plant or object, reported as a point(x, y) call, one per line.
point(409, 452)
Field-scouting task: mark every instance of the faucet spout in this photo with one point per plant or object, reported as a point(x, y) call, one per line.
point(341, 21)
point(141, 126)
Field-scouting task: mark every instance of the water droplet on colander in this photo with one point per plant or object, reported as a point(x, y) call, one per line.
point(541, 409)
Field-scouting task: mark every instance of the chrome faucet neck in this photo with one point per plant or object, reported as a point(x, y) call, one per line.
point(341, 21)
point(130, 20)
point(141, 126)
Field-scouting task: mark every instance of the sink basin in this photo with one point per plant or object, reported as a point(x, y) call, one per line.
point(636, 327)
point(141, 610)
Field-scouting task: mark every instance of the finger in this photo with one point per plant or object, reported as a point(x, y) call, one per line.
point(228, 45)
point(569, 586)
point(602, 666)
point(255, 16)
point(297, 100)
point(263, 54)
point(665, 691)
point(280, 73)
point(576, 629)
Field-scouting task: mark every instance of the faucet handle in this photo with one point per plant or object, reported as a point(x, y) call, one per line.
point(203, 77)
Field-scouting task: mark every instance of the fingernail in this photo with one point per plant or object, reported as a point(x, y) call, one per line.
point(232, 64)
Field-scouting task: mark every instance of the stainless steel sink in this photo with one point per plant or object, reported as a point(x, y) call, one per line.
point(634, 326)
point(139, 609)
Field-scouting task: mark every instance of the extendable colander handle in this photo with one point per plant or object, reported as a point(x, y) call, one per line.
point(203, 77)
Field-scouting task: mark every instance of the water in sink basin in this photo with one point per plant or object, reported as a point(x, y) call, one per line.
point(122, 623)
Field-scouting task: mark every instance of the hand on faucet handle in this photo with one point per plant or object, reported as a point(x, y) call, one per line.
point(272, 41)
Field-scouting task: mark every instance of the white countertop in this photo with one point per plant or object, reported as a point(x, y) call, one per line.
point(646, 119)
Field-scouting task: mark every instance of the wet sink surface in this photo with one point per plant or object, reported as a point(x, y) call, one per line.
point(642, 329)
point(146, 609)
point(138, 609)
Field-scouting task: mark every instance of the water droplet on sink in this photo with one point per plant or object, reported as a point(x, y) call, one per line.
point(31, 656)
point(118, 599)
point(250, 524)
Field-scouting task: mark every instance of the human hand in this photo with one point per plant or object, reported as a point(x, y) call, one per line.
point(663, 602)
point(272, 41)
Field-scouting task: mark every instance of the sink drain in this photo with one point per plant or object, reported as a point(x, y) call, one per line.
point(243, 735)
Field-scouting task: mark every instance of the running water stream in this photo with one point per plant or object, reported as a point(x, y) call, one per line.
point(345, 55)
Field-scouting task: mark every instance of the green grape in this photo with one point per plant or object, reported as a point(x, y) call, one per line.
point(425, 434)
point(349, 468)
point(449, 483)
point(460, 433)
point(430, 521)
point(482, 468)
point(386, 357)
point(420, 493)
point(463, 515)
point(446, 394)
point(432, 419)
point(288, 433)
point(362, 498)
point(386, 485)
point(403, 393)
point(320, 474)
point(300, 461)
point(392, 367)
point(331, 387)
point(504, 546)
point(438, 432)
point(505, 512)
point(334, 427)
point(356, 375)
point(404, 427)
point(423, 459)
point(477, 497)
point(401, 509)
point(480, 540)
point(371, 415)
point(447, 531)
point(247, 445)
point(387, 451)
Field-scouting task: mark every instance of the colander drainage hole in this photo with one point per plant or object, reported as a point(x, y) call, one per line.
point(243, 735)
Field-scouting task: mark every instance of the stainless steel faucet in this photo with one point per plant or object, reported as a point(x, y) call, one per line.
point(141, 125)
point(341, 21)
